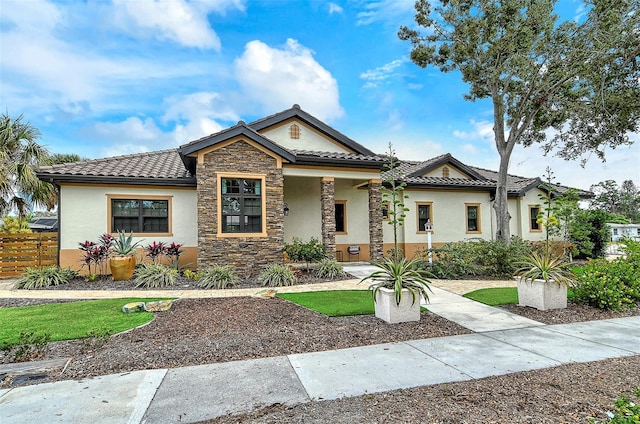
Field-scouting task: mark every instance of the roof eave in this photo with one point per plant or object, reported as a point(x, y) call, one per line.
point(350, 163)
point(115, 180)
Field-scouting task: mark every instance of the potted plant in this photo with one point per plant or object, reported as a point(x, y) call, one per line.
point(397, 277)
point(543, 281)
point(123, 261)
point(397, 289)
point(544, 278)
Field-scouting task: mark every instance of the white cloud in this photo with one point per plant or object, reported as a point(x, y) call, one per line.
point(177, 20)
point(122, 149)
point(334, 8)
point(375, 76)
point(278, 78)
point(414, 86)
point(393, 11)
point(480, 130)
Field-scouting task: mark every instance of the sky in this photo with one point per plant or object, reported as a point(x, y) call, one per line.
point(107, 78)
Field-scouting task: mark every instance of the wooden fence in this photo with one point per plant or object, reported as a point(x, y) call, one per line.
point(19, 251)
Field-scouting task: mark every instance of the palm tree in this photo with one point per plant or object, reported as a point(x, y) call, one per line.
point(20, 154)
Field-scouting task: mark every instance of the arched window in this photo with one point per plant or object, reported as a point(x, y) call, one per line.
point(445, 172)
point(294, 131)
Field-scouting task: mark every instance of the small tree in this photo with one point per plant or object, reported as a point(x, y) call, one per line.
point(393, 194)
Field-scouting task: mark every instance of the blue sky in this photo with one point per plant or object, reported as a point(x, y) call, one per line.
point(104, 78)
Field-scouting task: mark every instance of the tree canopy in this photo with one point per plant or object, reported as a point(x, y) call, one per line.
point(623, 200)
point(570, 86)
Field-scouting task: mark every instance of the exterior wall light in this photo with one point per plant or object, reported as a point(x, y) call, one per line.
point(286, 209)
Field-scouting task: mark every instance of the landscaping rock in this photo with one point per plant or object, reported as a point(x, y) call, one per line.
point(266, 294)
point(158, 306)
point(133, 307)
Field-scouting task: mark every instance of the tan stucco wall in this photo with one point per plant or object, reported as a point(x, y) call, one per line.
point(302, 195)
point(449, 216)
point(309, 139)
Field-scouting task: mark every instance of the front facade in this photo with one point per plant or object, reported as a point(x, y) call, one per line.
point(237, 196)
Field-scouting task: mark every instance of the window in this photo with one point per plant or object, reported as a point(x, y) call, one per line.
point(424, 215)
point(385, 211)
point(139, 215)
point(473, 218)
point(241, 205)
point(615, 231)
point(294, 131)
point(533, 218)
point(341, 216)
point(445, 172)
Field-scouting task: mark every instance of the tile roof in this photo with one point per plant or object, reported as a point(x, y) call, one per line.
point(340, 156)
point(149, 167)
point(516, 185)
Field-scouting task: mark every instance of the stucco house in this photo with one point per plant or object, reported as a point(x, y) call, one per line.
point(235, 197)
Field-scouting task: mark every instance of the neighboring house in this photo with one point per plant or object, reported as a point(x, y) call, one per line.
point(620, 231)
point(235, 197)
point(44, 224)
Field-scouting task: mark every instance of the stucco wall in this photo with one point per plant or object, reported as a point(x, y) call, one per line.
point(84, 213)
point(302, 195)
point(453, 172)
point(309, 139)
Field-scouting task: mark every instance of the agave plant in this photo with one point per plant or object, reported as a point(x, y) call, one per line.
point(123, 245)
point(397, 273)
point(545, 267)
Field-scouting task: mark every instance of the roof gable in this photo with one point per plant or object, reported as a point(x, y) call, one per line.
point(296, 114)
point(434, 166)
point(188, 151)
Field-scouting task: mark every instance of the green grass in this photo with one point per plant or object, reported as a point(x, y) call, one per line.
point(500, 296)
point(335, 303)
point(495, 296)
point(67, 321)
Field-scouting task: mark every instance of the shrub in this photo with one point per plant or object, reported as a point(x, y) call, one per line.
point(608, 285)
point(329, 269)
point(626, 411)
point(155, 275)
point(96, 254)
point(218, 277)
point(483, 258)
point(311, 251)
point(154, 250)
point(96, 338)
point(192, 275)
point(277, 276)
point(14, 225)
point(39, 277)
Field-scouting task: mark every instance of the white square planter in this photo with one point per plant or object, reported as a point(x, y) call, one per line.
point(387, 310)
point(541, 295)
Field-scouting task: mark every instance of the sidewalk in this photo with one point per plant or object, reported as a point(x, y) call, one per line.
point(502, 343)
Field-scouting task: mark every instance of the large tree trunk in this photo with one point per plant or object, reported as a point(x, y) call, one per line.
point(501, 204)
point(504, 147)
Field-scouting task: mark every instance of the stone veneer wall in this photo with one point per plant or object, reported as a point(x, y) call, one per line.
point(327, 199)
point(249, 255)
point(375, 221)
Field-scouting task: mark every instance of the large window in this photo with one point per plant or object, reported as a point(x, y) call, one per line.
point(341, 216)
point(241, 205)
point(133, 215)
point(473, 217)
point(534, 211)
point(425, 217)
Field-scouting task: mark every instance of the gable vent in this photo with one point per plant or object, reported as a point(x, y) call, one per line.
point(445, 172)
point(294, 131)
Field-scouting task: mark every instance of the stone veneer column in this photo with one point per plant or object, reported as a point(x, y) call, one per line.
point(327, 199)
point(375, 220)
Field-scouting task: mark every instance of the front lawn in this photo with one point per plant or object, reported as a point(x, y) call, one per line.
point(495, 296)
point(71, 320)
point(334, 303)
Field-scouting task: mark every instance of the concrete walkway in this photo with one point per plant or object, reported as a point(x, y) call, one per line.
point(501, 344)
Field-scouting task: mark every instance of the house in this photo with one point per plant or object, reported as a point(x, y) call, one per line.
point(620, 231)
point(235, 197)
